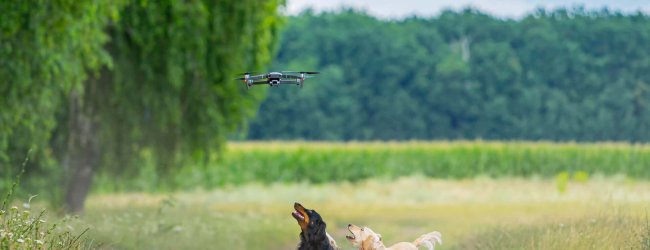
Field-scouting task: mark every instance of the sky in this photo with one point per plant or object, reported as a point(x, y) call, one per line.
point(426, 8)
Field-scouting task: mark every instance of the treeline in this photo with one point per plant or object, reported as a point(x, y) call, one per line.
point(554, 75)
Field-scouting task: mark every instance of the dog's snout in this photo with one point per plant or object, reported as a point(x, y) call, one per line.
point(349, 225)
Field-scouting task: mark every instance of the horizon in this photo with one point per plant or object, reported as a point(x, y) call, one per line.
point(509, 9)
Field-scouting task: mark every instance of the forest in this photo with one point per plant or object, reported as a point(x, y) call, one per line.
point(561, 75)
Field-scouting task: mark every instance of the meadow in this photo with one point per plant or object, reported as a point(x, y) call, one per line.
point(479, 213)
point(480, 195)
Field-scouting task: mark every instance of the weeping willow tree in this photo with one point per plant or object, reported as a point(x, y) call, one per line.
point(170, 89)
point(47, 50)
point(151, 76)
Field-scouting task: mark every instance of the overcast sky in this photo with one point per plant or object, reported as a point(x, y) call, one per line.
point(502, 8)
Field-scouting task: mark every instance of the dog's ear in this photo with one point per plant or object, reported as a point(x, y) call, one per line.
point(314, 229)
point(367, 243)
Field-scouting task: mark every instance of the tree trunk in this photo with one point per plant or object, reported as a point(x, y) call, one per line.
point(82, 154)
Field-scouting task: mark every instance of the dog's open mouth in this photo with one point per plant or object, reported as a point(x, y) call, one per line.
point(351, 236)
point(298, 216)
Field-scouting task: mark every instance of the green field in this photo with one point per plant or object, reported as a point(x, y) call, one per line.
point(480, 195)
point(290, 162)
point(480, 213)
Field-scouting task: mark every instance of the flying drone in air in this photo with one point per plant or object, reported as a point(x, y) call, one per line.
point(274, 79)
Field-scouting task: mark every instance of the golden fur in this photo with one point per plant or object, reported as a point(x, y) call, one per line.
point(365, 239)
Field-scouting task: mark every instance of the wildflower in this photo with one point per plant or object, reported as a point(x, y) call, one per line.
point(14, 208)
point(26, 205)
point(20, 240)
point(39, 242)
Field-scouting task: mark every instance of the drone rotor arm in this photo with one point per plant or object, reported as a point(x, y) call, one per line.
point(257, 77)
point(290, 77)
point(302, 72)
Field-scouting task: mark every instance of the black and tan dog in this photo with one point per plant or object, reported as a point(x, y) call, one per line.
point(313, 235)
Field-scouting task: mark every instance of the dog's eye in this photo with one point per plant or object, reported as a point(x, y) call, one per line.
point(362, 229)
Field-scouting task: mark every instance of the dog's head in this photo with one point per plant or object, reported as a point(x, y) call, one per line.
point(363, 237)
point(311, 224)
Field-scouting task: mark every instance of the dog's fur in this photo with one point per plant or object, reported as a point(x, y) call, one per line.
point(365, 239)
point(312, 230)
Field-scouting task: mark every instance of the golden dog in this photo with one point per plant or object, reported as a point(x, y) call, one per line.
point(365, 239)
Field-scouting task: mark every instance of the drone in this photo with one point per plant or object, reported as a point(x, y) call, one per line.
point(274, 79)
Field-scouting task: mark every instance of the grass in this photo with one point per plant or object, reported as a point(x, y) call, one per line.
point(22, 228)
point(314, 162)
point(484, 213)
point(610, 231)
point(485, 195)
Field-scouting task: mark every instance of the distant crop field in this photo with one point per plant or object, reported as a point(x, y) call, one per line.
point(318, 162)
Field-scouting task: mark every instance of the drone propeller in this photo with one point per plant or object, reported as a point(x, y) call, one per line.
point(302, 72)
point(246, 73)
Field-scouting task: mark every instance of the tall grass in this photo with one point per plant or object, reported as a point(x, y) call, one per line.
point(612, 231)
point(21, 228)
point(315, 162)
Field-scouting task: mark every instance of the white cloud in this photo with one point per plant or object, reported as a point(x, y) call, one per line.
point(502, 8)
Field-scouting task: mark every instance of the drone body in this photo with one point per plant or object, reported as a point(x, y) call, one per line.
point(274, 79)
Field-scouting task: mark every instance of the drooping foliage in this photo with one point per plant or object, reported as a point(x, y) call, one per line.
point(553, 75)
point(98, 85)
point(174, 64)
point(47, 49)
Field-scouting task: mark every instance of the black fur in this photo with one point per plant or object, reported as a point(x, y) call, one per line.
point(314, 238)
